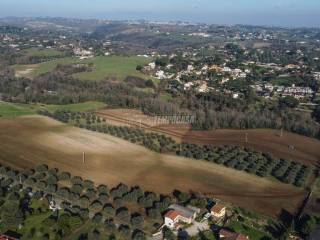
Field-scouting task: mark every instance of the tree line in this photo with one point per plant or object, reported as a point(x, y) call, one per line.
point(213, 111)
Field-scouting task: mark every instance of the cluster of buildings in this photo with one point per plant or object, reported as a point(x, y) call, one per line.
point(83, 53)
point(201, 75)
point(269, 90)
point(225, 72)
point(199, 78)
point(178, 216)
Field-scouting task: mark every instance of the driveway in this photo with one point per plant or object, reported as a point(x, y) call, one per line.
point(197, 227)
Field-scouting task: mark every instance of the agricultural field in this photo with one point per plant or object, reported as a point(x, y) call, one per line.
point(114, 66)
point(43, 140)
point(104, 66)
point(34, 70)
point(265, 140)
point(10, 110)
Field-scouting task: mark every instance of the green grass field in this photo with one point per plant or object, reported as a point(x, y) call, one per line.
point(43, 52)
point(251, 232)
point(114, 66)
point(104, 66)
point(16, 110)
point(34, 70)
point(10, 110)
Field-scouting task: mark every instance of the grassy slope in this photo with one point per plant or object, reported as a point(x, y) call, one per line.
point(43, 52)
point(41, 68)
point(11, 110)
point(111, 66)
point(119, 67)
point(15, 110)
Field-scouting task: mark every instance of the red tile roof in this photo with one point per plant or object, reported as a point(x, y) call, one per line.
point(4, 237)
point(172, 214)
point(228, 235)
point(217, 208)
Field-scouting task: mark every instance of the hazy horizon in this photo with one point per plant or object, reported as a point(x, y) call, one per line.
point(286, 13)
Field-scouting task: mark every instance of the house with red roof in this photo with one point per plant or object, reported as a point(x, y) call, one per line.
point(5, 237)
point(177, 214)
point(218, 211)
point(228, 235)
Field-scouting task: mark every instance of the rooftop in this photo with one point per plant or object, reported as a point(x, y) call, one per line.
point(228, 235)
point(217, 208)
point(172, 214)
point(183, 211)
point(5, 237)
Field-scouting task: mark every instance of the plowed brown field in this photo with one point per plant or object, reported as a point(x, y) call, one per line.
point(306, 150)
point(29, 141)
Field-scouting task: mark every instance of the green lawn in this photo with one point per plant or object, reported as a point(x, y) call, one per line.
point(16, 110)
point(35, 221)
point(104, 66)
point(166, 96)
point(10, 110)
point(43, 52)
point(34, 70)
point(114, 66)
point(247, 230)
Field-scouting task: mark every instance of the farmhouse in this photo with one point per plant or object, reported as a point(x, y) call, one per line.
point(178, 214)
point(228, 235)
point(218, 211)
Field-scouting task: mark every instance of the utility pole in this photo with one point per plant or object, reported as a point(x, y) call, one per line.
point(246, 137)
point(83, 157)
point(281, 132)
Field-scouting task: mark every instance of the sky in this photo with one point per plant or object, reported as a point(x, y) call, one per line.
point(288, 13)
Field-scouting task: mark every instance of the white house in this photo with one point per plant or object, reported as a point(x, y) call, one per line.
point(235, 95)
point(218, 211)
point(54, 206)
point(202, 88)
point(226, 69)
point(190, 68)
point(188, 85)
point(152, 65)
point(171, 219)
point(178, 214)
point(160, 75)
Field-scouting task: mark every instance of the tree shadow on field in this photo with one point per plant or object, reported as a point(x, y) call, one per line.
point(277, 229)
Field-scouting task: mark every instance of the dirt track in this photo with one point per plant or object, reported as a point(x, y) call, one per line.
point(28, 141)
point(306, 150)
